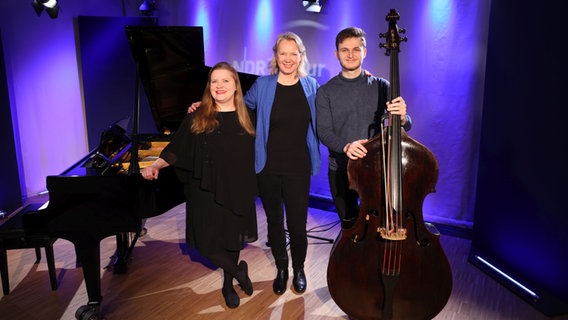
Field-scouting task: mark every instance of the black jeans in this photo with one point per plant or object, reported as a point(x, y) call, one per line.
point(289, 194)
point(346, 200)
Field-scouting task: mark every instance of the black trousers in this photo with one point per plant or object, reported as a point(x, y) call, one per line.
point(346, 200)
point(287, 194)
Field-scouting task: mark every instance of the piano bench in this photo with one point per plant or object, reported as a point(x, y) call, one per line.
point(13, 236)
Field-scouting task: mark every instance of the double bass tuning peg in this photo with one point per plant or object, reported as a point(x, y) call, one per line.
point(393, 36)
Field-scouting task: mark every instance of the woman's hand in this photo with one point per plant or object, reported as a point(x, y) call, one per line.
point(193, 107)
point(150, 173)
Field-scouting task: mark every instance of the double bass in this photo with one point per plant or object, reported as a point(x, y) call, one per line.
point(390, 264)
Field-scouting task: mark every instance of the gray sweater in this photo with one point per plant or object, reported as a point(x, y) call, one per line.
point(349, 110)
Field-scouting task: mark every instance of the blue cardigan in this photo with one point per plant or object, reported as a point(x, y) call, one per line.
point(260, 97)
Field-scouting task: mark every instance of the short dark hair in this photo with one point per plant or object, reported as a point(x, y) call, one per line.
point(351, 32)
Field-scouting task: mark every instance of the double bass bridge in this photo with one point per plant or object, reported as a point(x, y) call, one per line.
point(397, 235)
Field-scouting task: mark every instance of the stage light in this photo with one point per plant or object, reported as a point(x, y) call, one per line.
point(148, 7)
point(50, 6)
point(313, 5)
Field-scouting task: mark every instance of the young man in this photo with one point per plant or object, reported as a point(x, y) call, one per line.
point(349, 107)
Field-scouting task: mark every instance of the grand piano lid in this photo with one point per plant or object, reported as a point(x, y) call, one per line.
point(171, 66)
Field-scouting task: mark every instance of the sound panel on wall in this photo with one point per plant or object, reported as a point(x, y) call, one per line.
point(10, 190)
point(521, 217)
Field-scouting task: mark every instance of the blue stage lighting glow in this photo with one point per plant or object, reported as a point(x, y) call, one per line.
point(263, 21)
point(201, 17)
point(440, 10)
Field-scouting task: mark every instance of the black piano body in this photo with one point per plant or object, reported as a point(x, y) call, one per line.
point(89, 202)
point(85, 209)
point(100, 196)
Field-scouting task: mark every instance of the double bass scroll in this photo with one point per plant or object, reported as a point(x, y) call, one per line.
point(390, 264)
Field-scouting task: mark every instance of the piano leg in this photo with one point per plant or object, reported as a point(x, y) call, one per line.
point(125, 243)
point(122, 244)
point(88, 312)
point(90, 254)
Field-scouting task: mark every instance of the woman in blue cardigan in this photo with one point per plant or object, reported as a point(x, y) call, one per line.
point(286, 153)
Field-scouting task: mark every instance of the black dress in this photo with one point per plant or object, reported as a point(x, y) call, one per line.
point(217, 170)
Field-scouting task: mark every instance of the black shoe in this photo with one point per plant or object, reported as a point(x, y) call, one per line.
point(243, 278)
point(232, 299)
point(299, 281)
point(281, 282)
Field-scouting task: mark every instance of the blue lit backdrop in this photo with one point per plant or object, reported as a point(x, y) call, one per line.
point(442, 70)
point(442, 78)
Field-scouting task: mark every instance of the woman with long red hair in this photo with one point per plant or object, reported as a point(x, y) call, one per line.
point(213, 153)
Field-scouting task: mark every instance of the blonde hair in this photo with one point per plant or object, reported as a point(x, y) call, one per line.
point(303, 66)
point(205, 120)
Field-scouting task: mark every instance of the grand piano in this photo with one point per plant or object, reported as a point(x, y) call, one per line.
point(104, 194)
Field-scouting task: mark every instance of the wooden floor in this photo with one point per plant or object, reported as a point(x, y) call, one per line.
point(165, 281)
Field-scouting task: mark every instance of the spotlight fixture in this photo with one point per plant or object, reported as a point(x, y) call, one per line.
point(50, 6)
point(147, 7)
point(313, 5)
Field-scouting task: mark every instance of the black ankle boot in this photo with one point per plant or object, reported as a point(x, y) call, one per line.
point(243, 278)
point(232, 299)
point(299, 281)
point(281, 282)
